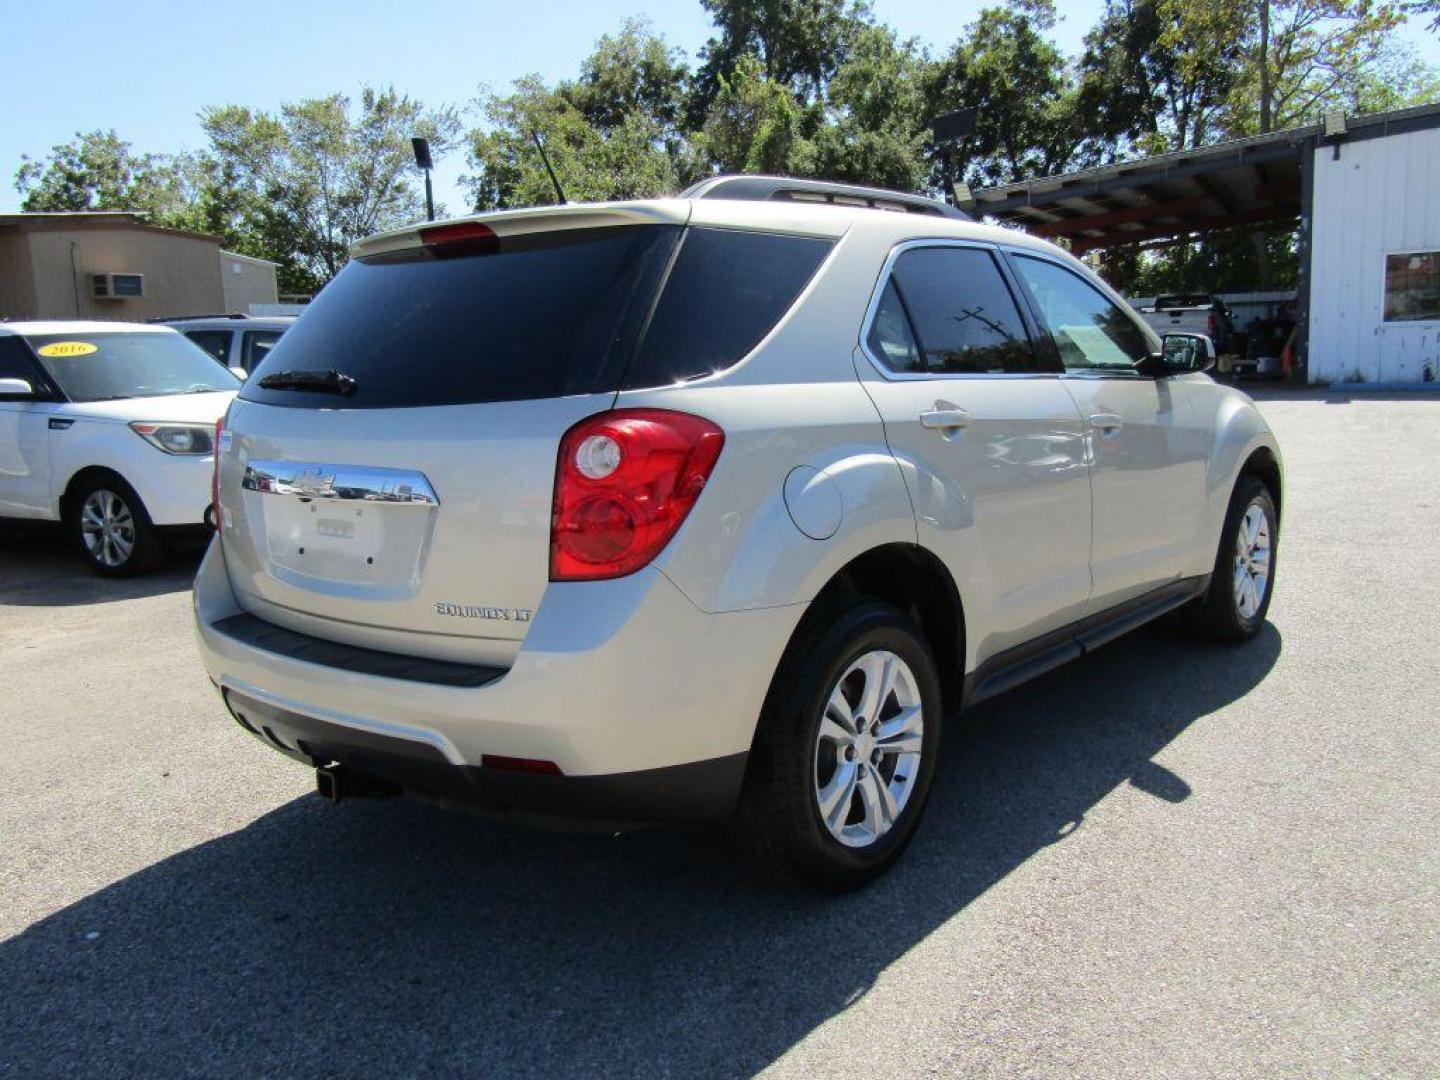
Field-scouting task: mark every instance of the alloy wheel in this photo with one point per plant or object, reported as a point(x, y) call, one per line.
point(1252, 561)
point(868, 749)
point(107, 526)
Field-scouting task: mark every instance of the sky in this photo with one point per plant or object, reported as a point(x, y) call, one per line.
point(148, 67)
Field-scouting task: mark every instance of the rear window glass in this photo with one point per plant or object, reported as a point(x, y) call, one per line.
point(541, 315)
point(726, 291)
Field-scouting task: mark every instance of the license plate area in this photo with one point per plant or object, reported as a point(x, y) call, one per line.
point(360, 532)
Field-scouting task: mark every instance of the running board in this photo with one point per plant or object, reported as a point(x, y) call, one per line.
point(1007, 670)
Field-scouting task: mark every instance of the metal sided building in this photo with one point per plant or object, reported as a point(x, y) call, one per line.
point(1363, 191)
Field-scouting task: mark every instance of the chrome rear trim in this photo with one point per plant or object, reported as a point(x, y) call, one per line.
point(340, 483)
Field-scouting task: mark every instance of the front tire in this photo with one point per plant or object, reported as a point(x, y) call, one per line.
point(1243, 578)
point(111, 528)
point(845, 752)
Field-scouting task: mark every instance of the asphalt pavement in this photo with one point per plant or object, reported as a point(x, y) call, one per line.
point(1168, 859)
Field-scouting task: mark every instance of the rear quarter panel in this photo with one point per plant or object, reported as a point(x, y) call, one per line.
point(793, 402)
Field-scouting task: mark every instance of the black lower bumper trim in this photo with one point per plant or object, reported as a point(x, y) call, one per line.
point(696, 791)
point(256, 632)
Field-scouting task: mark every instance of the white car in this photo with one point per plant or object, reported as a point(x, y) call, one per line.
point(710, 507)
point(108, 428)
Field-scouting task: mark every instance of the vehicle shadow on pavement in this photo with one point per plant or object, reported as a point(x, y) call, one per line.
point(1340, 394)
point(40, 568)
point(383, 938)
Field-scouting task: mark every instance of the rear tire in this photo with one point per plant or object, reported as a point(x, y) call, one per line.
point(845, 751)
point(111, 529)
point(1243, 578)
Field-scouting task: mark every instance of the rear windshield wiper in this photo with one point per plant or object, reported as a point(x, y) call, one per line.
point(324, 382)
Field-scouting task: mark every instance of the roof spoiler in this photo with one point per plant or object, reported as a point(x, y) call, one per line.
point(795, 189)
point(535, 219)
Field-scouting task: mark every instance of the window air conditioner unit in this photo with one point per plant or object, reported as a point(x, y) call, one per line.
point(117, 286)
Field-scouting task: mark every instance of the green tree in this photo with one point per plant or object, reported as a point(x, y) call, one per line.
point(1397, 79)
point(612, 134)
point(632, 72)
point(101, 171)
point(798, 44)
point(754, 125)
point(1426, 9)
point(874, 116)
point(1029, 123)
point(1220, 262)
point(1156, 75)
point(322, 174)
point(1306, 56)
point(627, 161)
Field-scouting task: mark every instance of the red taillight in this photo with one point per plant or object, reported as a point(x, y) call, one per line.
point(624, 483)
point(460, 238)
point(1212, 324)
point(215, 475)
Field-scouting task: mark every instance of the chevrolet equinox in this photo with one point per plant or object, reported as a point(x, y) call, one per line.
point(710, 508)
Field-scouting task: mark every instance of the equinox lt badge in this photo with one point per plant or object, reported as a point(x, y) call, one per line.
point(500, 614)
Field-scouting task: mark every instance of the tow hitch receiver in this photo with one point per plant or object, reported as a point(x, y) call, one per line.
point(336, 782)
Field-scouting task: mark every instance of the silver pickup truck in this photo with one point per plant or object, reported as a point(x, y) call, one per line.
point(1198, 313)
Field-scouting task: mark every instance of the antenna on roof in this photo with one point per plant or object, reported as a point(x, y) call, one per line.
point(555, 180)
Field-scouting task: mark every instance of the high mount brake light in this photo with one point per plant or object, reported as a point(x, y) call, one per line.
point(616, 508)
point(460, 237)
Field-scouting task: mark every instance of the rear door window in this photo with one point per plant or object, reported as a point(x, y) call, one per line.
point(962, 315)
point(891, 338)
point(257, 346)
point(727, 291)
point(534, 316)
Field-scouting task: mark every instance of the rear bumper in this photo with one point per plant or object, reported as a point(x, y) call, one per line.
point(696, 791)
point(646, 704)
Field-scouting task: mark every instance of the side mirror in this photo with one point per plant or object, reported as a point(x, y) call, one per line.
point(16, 388)
point(1187, 352)
point(240, 373)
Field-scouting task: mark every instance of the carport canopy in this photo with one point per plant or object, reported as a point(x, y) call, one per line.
point(1244, 182)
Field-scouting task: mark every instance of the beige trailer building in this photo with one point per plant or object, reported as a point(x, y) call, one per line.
point(115, 265)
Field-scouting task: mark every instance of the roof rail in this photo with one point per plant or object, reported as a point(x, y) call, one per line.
point(188, 318)
point(795, 189)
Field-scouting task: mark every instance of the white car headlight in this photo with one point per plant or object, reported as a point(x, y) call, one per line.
point(188, 439)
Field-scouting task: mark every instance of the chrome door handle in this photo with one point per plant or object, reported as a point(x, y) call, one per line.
point(1106, 421)
point(945, 417)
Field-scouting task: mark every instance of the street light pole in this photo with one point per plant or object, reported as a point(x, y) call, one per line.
point(423, 159)
point(950, 130)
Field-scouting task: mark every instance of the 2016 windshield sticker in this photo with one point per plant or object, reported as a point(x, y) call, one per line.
point(68, 348)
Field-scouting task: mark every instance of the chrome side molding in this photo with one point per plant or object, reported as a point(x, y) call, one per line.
point(340, 483)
